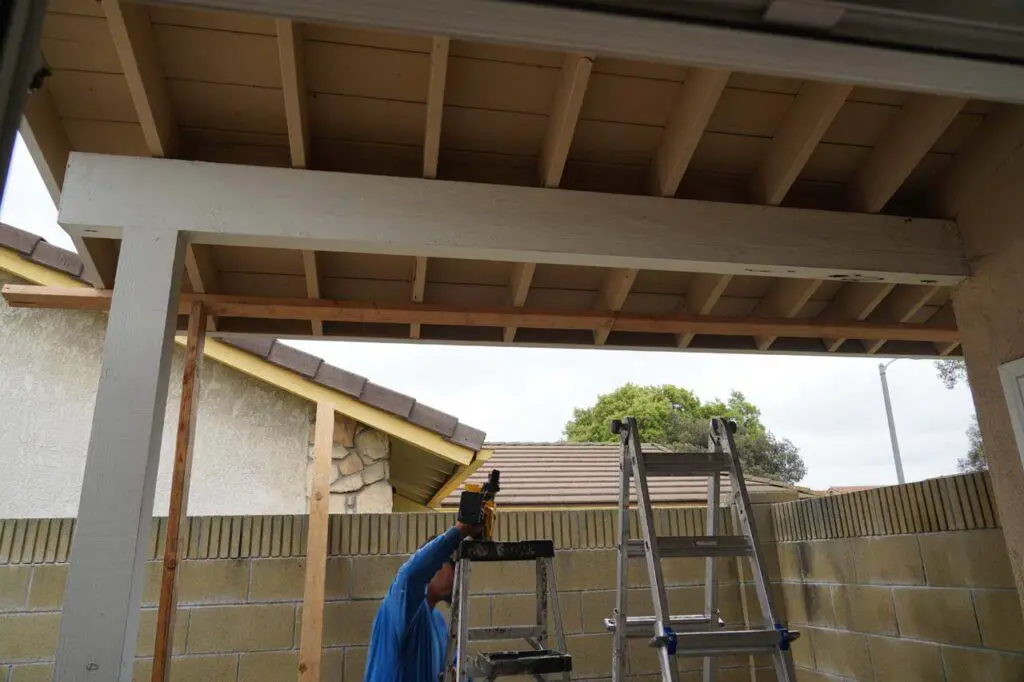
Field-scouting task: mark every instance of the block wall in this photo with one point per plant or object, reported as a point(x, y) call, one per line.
point(909, 583)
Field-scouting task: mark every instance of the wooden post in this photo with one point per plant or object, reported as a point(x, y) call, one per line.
point(311, 639)
point(177, 511)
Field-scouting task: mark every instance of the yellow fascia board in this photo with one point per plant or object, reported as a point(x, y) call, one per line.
point(12, 262)
point(459, 477)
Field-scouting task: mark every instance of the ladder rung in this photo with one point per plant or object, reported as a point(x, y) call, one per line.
point(721, 642)
point(504, 632)
point(685, 464)
point(642, 626)
point(501, 663)
point(694, 546)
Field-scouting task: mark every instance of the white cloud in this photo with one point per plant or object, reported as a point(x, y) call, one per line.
point(831, 408)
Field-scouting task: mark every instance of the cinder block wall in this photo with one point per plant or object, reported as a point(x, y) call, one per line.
point(909, 583)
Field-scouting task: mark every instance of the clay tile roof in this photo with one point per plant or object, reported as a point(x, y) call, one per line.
point(586, 475)
point(36, 249)
point(399, 404)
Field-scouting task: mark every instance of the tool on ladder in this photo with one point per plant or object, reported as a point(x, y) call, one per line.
point(476, 507)
point(702, 634)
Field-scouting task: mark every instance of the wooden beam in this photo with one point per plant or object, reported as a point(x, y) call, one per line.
point(806, 122)
point(854, 301)
point(202, 273)
point(562, 122)
point(459, 477)
point(913, 132)
point(137, 50)
point(100, 618)
point(177, 511)
point(312, 271)
point(1000, 134)
point(293, 86)
point(311, 636)
point(419, 286)
point(435, 104)
point(694, 105)
point(231, 204)
point(612, 296)
point(701, 296)
point(27, 296)
point(901, 305)
point(786, 299)
point(519, 289)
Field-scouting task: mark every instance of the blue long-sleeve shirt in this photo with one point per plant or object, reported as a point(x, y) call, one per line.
point(409, 637)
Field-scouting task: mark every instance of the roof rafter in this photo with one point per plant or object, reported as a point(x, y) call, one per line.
point(435, 104)
point(854, 301)
point(786, 299)
point(901, 305)
point(311, 269)
point(419, 286)
point(519, 288)
point(564, 115)
point(700, 298)
point(293, 86)
point(202, 273)
point(612, 296)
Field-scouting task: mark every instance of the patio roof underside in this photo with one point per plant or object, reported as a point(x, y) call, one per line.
point(165, 81)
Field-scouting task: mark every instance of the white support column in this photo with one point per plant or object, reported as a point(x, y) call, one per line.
point(100, 621)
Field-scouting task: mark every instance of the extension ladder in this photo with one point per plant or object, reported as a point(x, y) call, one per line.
point(702, 634)
point(461, 663)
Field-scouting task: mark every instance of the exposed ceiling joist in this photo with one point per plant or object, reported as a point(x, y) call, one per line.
point(230, 204)
point(357, 311)
point(914, 131)
point(293, 86)
point(806, 122)
point(701, 296)
point(202, 273)
point(786, 299)
point(311, 269)
point(901, 305)
point(562, 122)
point(136, 48)
point(854, 301)
point(519, 289)
point(419, 286)
point(435, 104)
point(612, 296)
point(694, 105)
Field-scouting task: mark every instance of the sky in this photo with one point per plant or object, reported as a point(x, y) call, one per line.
point(831, 408)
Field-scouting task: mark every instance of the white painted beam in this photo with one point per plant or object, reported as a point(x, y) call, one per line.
point(562, 121)
point(519, 288)
point(202, 273)
point(701, 296)
point(311, 269)
point(854, 301)
point(694, 105)
point(900, 305)
point(232, 204)
point(136, 47)
point(612, 296)
point(786, 299)
point(419, 286)
point(805, 124)
point(100, 621)
point(435, 104)
point(914, 130)
point(562, 28)
point(293, 86)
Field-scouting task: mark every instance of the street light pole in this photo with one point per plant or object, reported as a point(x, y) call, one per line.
point(892, 424)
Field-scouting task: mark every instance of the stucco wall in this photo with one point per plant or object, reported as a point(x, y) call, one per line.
point(251, 442)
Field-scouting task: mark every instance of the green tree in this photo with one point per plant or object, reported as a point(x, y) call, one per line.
point(953, 371)
point(675, 417)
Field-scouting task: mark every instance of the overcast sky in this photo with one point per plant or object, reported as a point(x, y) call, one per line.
point(831, 408)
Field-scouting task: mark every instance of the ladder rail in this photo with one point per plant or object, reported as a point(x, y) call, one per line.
point(622, 569)
point(711, 568)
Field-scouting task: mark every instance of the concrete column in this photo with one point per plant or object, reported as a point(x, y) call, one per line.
point(100, 620)
point(990, 314)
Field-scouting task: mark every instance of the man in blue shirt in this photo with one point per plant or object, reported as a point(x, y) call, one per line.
point(410, 636)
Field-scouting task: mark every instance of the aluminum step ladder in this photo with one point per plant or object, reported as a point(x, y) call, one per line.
point(461, 664)
point(702, 634)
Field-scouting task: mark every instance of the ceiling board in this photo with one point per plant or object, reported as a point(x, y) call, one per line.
point(106, 137)
point(82, 43)
point(227, 107)
point(81, 7)
point(629, 100)
point(577, 277)
point(619, 143)
point(502, 86)
point(470, 295)
point(365, 157)
point(242, 154)
point(733, 154)
point(365, 290)
point(733, 112)
point(958, 132)
point(750, 81)
point(366, 72)
point(674, 73)
point(833, 162)
point(367, 266)
point(350, 35)
point(249, 284)
point(218, 56)
point(661, 282)
point(506, 53)
point(221, 21)
point(89, 95)
point(601, 177)
point(252, 259)
point(859, 123)
point(366, 120)
point(464, 271)
point(500, 132)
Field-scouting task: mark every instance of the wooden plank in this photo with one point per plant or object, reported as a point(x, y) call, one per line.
point(805, 124)
point(311, 269)
point(311, 637)
point(419, 285)
point(435, 104)
point(562, 121)
point(614, 290)
point(901, 305)
point(18, 295)
point(225, 203)
point(786, 299)
point(519, 289)
point(177, 511)
point(293, 86)
point(920, 123)
point(696, 102)
point(854, 301)
point(136, 48)
point(700, 298)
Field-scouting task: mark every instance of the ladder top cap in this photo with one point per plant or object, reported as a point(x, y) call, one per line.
point(487, 550)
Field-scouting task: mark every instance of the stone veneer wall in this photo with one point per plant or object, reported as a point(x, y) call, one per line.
point(869, 609)
point(360, 469)
point(910, 583)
